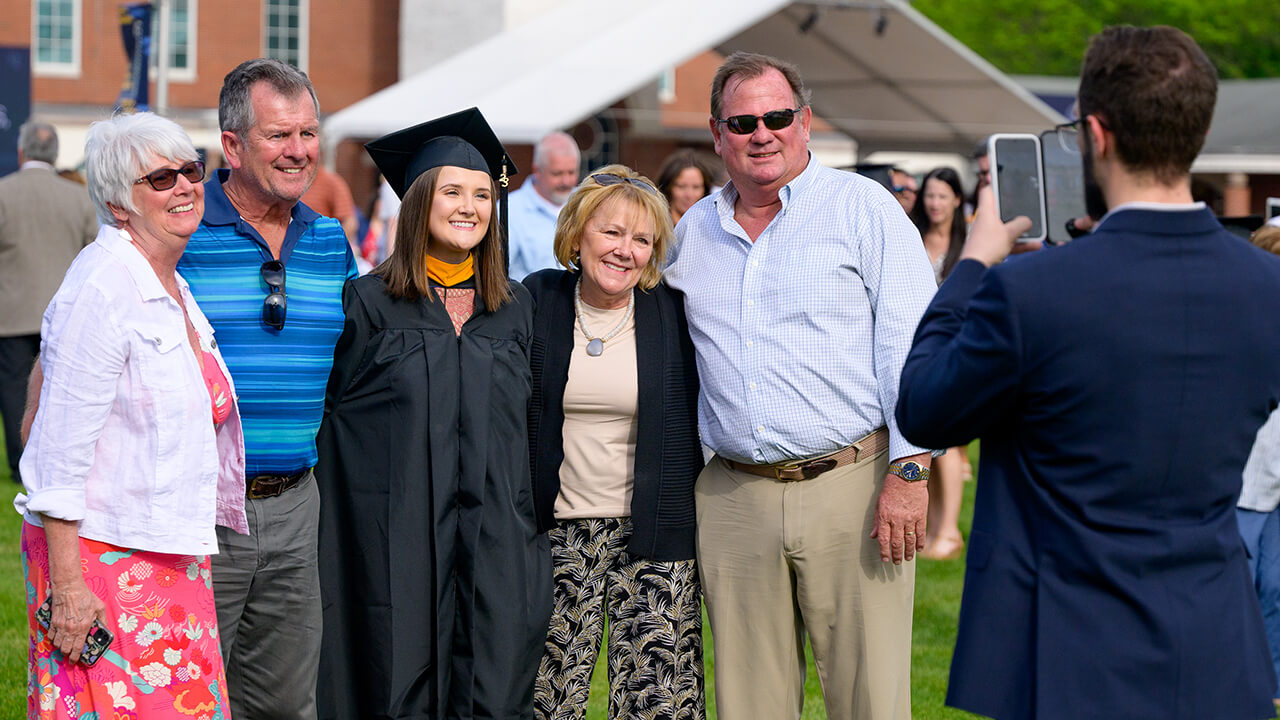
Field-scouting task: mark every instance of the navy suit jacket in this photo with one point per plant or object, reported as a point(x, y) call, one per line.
point(1117, 384)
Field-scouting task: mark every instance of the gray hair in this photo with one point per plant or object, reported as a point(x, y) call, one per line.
point(117, 152)
point(235, 111)
point(555, 143)
point(38, 141)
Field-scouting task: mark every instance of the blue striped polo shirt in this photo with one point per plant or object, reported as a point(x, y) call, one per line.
point(280, 375)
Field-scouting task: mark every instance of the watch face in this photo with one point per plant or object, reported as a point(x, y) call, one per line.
point(910, 471)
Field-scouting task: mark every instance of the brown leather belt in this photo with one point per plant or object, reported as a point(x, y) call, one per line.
point(868, 446)
point(269, 486)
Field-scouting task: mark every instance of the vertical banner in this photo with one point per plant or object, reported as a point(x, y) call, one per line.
point(15, 102)
point(135, 27)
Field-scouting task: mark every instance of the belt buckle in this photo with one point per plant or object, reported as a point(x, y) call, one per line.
point(253, 490)
point(790, 467)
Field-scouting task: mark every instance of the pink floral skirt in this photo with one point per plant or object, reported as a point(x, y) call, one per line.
point(164, 661)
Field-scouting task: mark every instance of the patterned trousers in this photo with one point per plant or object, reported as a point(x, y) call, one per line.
point(655, 628)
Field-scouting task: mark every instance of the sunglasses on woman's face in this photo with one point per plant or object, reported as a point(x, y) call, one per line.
point(774, 120)
point(165, 178)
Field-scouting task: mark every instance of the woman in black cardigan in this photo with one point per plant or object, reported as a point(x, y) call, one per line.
point(614, 447)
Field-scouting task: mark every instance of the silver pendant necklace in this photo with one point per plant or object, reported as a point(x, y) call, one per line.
point(595, 345)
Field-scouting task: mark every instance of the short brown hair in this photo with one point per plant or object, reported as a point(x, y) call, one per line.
point(405, 271)
point(590, 196)
point(1154, 89)
point(752, 65)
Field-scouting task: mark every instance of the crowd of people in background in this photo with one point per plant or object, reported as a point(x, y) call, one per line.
point(284, 457)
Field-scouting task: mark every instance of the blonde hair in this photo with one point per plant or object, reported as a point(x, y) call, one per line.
point(1267, 237)
point(590, 196)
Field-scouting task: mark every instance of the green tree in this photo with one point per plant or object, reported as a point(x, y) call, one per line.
point(1048, 37)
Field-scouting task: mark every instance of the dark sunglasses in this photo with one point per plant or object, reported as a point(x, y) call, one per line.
point(902, 189)
point(165, 178)
point(774, 120)
point(273, 308)
point(605, 179)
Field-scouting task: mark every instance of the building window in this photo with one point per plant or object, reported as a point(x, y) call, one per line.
point(55, 37)
point(284, 31)
point(667, 86)
point(182, 39)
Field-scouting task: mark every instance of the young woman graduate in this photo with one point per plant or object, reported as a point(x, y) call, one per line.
point(436, 585)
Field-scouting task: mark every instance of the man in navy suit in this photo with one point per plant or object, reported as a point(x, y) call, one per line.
point(1117, 384)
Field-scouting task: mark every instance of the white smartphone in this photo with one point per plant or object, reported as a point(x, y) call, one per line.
point(1017, 180)
point(1273, 207)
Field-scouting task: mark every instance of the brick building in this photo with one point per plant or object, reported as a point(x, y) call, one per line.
point(348, 47)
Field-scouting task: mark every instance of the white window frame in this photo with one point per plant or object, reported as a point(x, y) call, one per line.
point(667, 85)
point(304, 31)
point(187, 74)
point(57, 69)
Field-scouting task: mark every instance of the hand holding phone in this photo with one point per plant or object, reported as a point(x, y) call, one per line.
point(96, 642)
point(1016, 173)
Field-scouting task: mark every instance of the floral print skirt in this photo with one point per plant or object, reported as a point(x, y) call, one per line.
point(164, 661)
point(654, 615)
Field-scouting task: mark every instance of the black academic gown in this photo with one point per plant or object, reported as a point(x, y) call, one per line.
point(436, 585)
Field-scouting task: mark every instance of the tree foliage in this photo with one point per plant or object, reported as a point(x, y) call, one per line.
point(1048, 37)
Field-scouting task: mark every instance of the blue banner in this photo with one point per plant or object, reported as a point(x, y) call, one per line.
point(15, 102)
point(135, 27)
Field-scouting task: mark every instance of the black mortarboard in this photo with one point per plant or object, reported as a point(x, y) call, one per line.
point(463, 139)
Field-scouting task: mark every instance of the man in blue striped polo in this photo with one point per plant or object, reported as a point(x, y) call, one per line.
point(268, 272)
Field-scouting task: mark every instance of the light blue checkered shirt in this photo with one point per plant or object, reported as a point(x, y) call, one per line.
point(801, 336)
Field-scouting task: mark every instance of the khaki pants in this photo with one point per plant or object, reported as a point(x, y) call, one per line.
point(780, 558)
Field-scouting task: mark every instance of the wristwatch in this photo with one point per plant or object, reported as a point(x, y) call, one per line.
point(910, 471)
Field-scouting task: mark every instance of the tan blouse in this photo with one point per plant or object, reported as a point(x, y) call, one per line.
point(600, 401)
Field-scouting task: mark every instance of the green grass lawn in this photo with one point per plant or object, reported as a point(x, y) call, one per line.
point(938, 587)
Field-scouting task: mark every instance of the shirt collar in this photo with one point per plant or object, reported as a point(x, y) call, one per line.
point(540, 201)
point(119, 243)
point(218, 209)
point(787, 193)
point(1152, 206)
point(33, 164)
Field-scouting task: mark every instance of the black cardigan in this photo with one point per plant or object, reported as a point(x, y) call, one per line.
point(668, 453)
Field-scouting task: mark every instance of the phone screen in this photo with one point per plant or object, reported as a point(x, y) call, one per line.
point(1273, 207)
point(1063, 184)
point(1015, 164)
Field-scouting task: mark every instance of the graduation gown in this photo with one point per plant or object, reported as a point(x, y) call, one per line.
point(436, 585)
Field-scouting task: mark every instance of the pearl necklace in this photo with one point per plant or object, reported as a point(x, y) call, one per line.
point(595, 345)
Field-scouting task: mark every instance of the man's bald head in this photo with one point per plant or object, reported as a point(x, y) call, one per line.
point(555, 165)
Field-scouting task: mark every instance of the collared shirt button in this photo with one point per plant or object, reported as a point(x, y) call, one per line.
point(753, 386)
point(750, 343)
point(760, 428)
point(751, 303)
point(755, 263)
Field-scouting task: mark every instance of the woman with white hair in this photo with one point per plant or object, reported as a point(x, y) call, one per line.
point(135, 453)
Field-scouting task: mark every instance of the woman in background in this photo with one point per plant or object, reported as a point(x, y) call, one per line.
point(939, 215)
point(684, 180)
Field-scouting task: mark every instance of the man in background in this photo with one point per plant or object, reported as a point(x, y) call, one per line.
point(45, 220)
point(533, 208)
point(904, 188)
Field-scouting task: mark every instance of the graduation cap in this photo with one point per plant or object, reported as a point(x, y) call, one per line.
point(463, 139)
